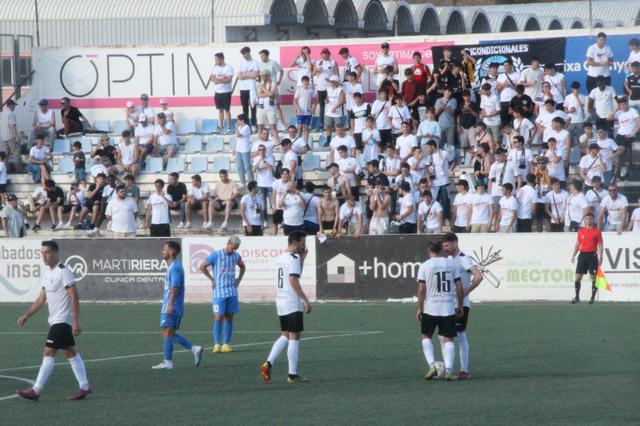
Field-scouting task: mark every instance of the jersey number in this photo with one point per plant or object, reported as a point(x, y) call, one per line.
point(444, 283)
point(280, 278)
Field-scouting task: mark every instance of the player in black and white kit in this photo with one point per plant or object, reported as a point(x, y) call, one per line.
point(471, 278)
point(59, 292)
point(291, 303)
point(439, 287)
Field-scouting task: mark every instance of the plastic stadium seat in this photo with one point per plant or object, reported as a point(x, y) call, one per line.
point(293, 121)
point(215, 144)
point(311, 163)
point(61, 146)
point(186, 127)
point(175, 164)
point(209, 126)
point(193, 144)
point(101, 126)
point(86, 145)
point(233, 124)
point(315, 122)
point(154, 165)
point(345, 121)
point(119, 126)
point(199, 164)
point(221, 163)
point(66, 164)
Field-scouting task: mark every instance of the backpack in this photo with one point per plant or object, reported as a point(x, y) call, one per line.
point(277, 172)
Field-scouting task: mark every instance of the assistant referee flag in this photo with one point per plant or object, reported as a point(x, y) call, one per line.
point(601, 280)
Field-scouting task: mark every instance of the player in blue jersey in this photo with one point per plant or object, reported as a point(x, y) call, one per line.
point(173, 308)
point(225, 290)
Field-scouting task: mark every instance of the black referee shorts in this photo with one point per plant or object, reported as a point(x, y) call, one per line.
point(293, 322)
point(60, 336)
point(587, 263)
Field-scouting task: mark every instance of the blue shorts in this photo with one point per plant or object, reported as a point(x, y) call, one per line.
point(303, 119)
point(170, 321)
point(80, 174)
point(226, 305)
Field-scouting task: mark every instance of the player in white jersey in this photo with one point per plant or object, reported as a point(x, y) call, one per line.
point(439, 287)
point(291, 304)
point(471, 278)
point(59, 292)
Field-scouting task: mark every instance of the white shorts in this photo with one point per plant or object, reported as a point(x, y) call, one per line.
point(266, 117)
point(379, 226)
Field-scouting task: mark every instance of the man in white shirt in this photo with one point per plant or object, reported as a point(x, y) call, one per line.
point(531, 78)
point(557, 83)
point(628, 130)
point(145, 109)
point(405, 142)
point(165, 141)
point(248, 70)
point(221, 77)
point(406, 219)
point(481, 209)
point(9, 137)
point(158, 211)
point(292, 205)
point(251, 208)
point(506, 87)
point(611, 153)
point(575, 106)
point(127, 155)
point(358, 118)
point(289, 158)
point(508, 210)
point(500, 173)
point(349, 167)
point(592, 165)
point(334, 105)
point(556, 156)
point(526, 197)
point(599, 62)
point(279, 190)
point(614, 207)
point(198, 199)
point(305, 105)
point(577, 207)
point(555, 204)
point(461, 210)
point(595, 195)
point(490, 110)
point(145, 137)
point(521, 159)
point(601, 101)
point(442, 165)
point(122, 211)
point(342, 138)
point(429, 128)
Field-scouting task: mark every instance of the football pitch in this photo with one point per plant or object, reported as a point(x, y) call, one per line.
point(530, 364)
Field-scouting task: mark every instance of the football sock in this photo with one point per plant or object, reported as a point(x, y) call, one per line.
point(43, 375)
point(278, 346)
point(448, 354)
point(182, 341)
point(577, 289)
point(77, 365)
point(168, 348)
point(427, 349)
point(217, 331)
point(292, 354)
point(228, 330)
point(594, 290)
point(463, 344)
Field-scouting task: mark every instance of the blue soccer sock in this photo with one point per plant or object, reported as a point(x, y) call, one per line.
point(228, 330)
point(168, 348)
point(217, 331)
point(182, 341)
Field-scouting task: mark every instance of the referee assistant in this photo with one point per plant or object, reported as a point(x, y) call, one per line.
point(589, 244)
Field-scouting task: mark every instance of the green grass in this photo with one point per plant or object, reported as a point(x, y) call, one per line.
point(531, 364)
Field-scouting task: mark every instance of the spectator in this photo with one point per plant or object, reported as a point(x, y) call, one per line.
point(304, 63)
point(9, 137)
point(542, 185)
point(122, 211)
point(127, 155)
point(614, 208)
point(457, 83)
point(221, 76)
point(350, 216)
point(557, 84)
point(430, 217)
point(491, 78)
point(328, 212)
point(251, 208)
point(37, 199)
point(247, 75)
point(526, 197)
point(276, 73)
point(373, 167)
point(44, 123)
point(508, 213)
point(481, 209)
point(165, 139)
point(398, 114)
point(158, 212)
point(588, 137)
point(325, 68)
point(108, 194)
point(144, 138)
point(574, 106)
point(292, 206)
point(131, 116)
point(461, 211)
point(390, 165)
point(263, 168)
point(133, 191)
point(93, 200)
point(577, 207)
point(484, 136)
point(72, 119)
point(599, 61)
point(40, 161)
point(490, 110)
point(634, 54)
point(500, 173)
point(351, 87)
point(523, 127)
point(555, 204)
point(380, 206)
point(383, 61)
point(358, 116)
point(300, 147)
point(105, 154)
point(409, 89)
point(380, 112)
point(506, 88)
point(145, 109)
point(563, 138)
point(445, 110)
point(305, 105)
point(75, 202)
point(335, 101)
point(444, 65)
point(79, 163)
point(417, 164)
point(429, 129)
point(521, 159)
point(522, 101)
point(341, 139)
point(310, 217)
point(267, 143)
point(224, 198)
point(289, 158)
point(350, 64)
point(628, 129)
point(531, 79)
point(349, 168)
point(267, 92)
point(197, 199)
point(595, 195)
point(338, 183)
point(555, 160)
point(371, 140)
point(419, 109)
point(178, 193)
point(601, 102)
point(592, 165)
point(610, 153)
point(164, 108)
point(242, 149)
point(545, 98)
point(466, 122)
point(12, 217)
point(632, 86)
point(405, 142)
point(634, 221)
point(442, 166)
point(421, 74)
point(3, 178)
point(55, 198)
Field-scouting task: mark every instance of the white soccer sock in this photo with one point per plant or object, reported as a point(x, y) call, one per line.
point(427, 349)
point(79, 371)
point(449, 354)
point(43, 375)
point(292, 354)
point(463, 344)
point(277, 348)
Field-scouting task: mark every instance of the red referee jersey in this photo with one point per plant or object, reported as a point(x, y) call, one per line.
point(589, 238)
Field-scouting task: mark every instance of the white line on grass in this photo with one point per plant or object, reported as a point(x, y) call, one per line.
point(242, 345)
point(159, 331)
point(20, 379)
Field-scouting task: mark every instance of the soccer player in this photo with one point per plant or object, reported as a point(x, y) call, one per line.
point(291, 303)
point(59, 292)
point(590, 246)
point(225, 290)
point(470, 278)
point(173, 308)
point(437, 307)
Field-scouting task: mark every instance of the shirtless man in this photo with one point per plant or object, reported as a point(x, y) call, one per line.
point(338, 183)
point(328, 208)
point(380, 204)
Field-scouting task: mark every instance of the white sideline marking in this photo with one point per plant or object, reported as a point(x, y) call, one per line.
point(20, 379)
point(242, 345)
point(159, 332)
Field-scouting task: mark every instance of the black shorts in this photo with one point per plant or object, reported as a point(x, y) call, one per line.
point(293, 322)
point(288, 229)
point(461, 323)
point(197, 205)
point(459, 229)
point(446, 325)
point(3, 188)
point(385, 138)
point(587, 263)
point(223, 101)
point(221, 205)
point(60, 336)
point(278, 217)
point(327, 225)
point(358, 138)
point(160, 230)
point(256, 231)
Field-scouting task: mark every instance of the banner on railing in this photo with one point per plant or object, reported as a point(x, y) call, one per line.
point(21, 270)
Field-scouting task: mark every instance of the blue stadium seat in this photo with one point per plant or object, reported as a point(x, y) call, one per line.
point(102, 126)
point(293, 121)
point(119, 126)
point(221, 163)
point(345, 121)
point(86, 145)
point(186, 127)
point(61, 146)
point(215, 144)
point(193, 144)
point(175, 164)
point(209, 126)
point(66, 165)
point(233, 124)
point(199, 165)
point(315, 122)
point(154, 165)
point(320, 144)
point(311, 163)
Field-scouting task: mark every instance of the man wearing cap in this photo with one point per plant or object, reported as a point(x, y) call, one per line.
point(248, 70)
point(384, 60)
point(324, 69)
point(12, 216)
point(599, 62)
point(276, 73)
point(72, 119)
point(628, 129)
point(558, 84)
point(144, 137)
point(165, 139)
point(9, 138)
point(632, 86)
point(145, 109)
point(221, 77)
point(506, 87)
point(44, 123)
point(131, 116)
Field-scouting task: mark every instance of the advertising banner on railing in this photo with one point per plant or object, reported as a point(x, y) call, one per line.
point(21, 270)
